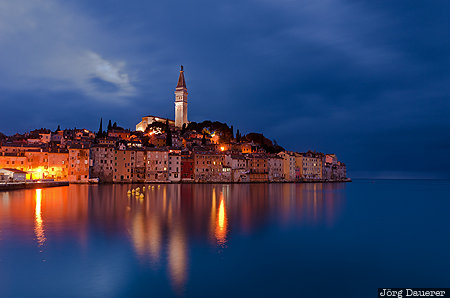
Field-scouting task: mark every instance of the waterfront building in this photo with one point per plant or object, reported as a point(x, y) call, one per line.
point(123, 165)
point(208, 166)
point(129, 165)
point(157, 165)
point(298, 166)
point(312, 165)
point(11, 174)
point(174, 167)
point(236, 161)
point(187, 167)
point(238, 164)
point(140, 165)
point(37, 162)
point(79, 165)
point(288, 165)
point(14, 160)
point(258, 167)
point(275, 168)
point(341, 171)
point(58, 165)
point(102, 162)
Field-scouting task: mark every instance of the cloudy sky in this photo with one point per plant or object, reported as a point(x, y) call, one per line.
point(368, 80)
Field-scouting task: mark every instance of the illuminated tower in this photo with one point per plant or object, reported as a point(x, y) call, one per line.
point(181, 101)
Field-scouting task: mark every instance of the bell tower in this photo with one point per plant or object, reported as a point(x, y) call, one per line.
point(181, 101)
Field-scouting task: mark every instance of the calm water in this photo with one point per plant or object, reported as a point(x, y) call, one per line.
point(308, 240)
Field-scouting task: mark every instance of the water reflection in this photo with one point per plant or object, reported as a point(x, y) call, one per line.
point(161, 227)
point(39, 225)
point(221, 223)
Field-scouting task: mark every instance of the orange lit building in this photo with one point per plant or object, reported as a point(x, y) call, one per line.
point(102, 162)
point(58, 165)
point(78, 165)
point(123, 134)
point(16, 161)
point(208, 166)
point(123, 165)
point(157, 165)
point(258, 167)
point(129, 166)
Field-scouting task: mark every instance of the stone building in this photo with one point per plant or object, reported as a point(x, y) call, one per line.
point(78, 165)
point(187, 167)
point(275, 168)
point(288, 165)
point(102, 162)
point(174, 167)
point(208, 166)
point(58, 165)
point(157, 165)
point(238, 164)
point(312, 165)
point(258, 166)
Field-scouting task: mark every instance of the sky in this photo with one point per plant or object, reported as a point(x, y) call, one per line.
point(367, 80)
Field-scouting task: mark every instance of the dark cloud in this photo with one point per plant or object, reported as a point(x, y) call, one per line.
point(367, 80)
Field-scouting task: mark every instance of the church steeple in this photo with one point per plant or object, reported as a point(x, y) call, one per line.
point(181, 81)
point(181, 101)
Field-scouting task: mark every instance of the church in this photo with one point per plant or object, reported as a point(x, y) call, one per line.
point(180, 107)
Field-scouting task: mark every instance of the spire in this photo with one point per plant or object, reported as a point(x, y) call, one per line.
point(181, 81)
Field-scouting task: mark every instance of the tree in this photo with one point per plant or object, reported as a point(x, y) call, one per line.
point(238, 136)
point(204, 139)
point(183, 128)
point(232, 132)
point(114, 125)
point(109, 125)
point(100, 129)
point(168, 134)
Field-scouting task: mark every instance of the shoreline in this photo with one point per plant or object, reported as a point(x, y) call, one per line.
point(37, 185)
point(221, 182)
point(31, 185)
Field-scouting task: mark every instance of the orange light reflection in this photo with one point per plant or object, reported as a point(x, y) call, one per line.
point(221, 223)
point(39, 224)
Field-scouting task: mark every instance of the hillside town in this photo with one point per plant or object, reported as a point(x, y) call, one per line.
point(160, 150)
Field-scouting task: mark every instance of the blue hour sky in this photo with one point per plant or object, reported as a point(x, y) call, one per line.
point(367, 80)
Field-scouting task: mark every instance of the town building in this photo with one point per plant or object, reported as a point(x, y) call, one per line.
point(288, 165)
point(157, 165)
point(312, 165)
point(58, 165)
point(258, 166)
point(174, 167)
point(78, 165)
point(10, 174)
point(147, 120)
point(208, 166)
point(102, 162)
point(298, 166)
point(275, 168)
point(187, 167)
point(238, 164)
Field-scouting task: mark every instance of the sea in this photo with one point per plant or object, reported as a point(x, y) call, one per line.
point(225, 240)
